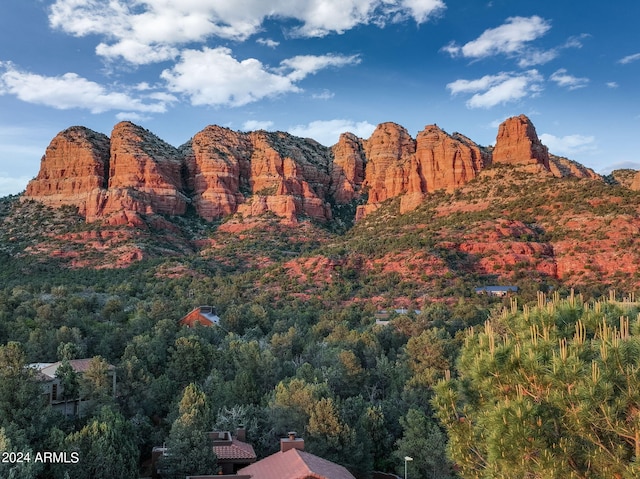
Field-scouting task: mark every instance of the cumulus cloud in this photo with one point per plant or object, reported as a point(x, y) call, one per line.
point(72, 91)
point(492, 90)
point(214, 77)
point(267, 42)
point(509, 38)
point(253, 125)
point(629, 58)
point(563, 79)
point(327, 132)
point(568, 145)
point(302, 66)
point(148, 31)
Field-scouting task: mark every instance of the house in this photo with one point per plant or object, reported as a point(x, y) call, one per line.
point(54, 391)
point(292, 462)
point(203, 315)
point(233, 453)
point(499, 291)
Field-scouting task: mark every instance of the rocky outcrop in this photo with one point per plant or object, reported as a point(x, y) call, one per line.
point(517, 143)
point(397, 165)
point(289, 176)
point(635, 184)
point(142, 162)
point(75, 163)
point(218, 163)
point(223, 172)
point(347, 174)
point(562, 167)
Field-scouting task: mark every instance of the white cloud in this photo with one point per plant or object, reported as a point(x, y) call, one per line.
point(302, 66)
point(147, 31)
point(421, 10)
point(215, 77)
point(563, 79)
point(132, 116)
point(509, 38)
point(612, 84)
point(253, 125)
point(70, 91)
point(629, 58)
point(327, 132)
point(323, 95)
point(569, 145)
point(267, 42)
point(492, 90)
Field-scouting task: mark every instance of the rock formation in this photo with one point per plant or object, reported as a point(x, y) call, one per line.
point(517, 143)
point(635, 184)
point(347, 174)
point(289, 176)
point(218, 163)
point(147, 169)
point(562, 167)
point(75, 163)
point(223, 172)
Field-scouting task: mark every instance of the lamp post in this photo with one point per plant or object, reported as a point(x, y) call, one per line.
point(406, 459)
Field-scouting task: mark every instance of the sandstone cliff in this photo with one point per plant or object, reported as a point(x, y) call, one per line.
point(517, 143)
point(75, 163)
point(223, 172)
point(347, 174)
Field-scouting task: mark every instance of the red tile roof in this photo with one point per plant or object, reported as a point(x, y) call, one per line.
point(295, 464)
point(235, 450)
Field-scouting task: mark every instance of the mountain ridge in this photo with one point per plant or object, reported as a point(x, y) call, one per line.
point(221, 172)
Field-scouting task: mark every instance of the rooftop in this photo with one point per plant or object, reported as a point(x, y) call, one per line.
point(295, 464)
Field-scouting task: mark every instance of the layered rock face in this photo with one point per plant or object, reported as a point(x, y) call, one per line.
point(347, 174)
point(398, 165)
point(517, 143)
point(289, 176)
point(222, 172)
point(562, 167)
point(76, 162)
point(218, 164)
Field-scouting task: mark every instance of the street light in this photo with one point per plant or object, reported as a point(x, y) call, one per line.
point(406, 459)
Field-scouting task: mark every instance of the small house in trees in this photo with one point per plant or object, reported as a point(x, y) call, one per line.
point(232, 452)
point(499, 291)
point(53, 386)
point(292, 462)
point(203, 315)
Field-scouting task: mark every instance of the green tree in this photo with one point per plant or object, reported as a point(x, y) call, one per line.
point(547, 392)
point(426, 444)
point(189, 449)
point(21, 405)
point(105, 448)
point(69, 381)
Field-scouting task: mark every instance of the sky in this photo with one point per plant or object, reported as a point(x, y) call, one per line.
point(317, 68)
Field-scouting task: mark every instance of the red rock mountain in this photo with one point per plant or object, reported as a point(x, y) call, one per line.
point(518, 144)
point(221, 172)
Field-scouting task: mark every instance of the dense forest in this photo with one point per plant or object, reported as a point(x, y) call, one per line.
point(541, 384)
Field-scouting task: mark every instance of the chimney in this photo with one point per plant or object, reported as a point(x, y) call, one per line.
point(241, 433)
point(291, 442)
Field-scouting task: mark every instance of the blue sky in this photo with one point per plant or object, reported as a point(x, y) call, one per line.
point(320, 67)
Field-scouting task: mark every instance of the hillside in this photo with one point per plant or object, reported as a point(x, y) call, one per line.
point(427, 218)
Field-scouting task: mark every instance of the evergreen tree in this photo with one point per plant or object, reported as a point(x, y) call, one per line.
point(189, 449)
point(547, 392)
point(105, 448)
